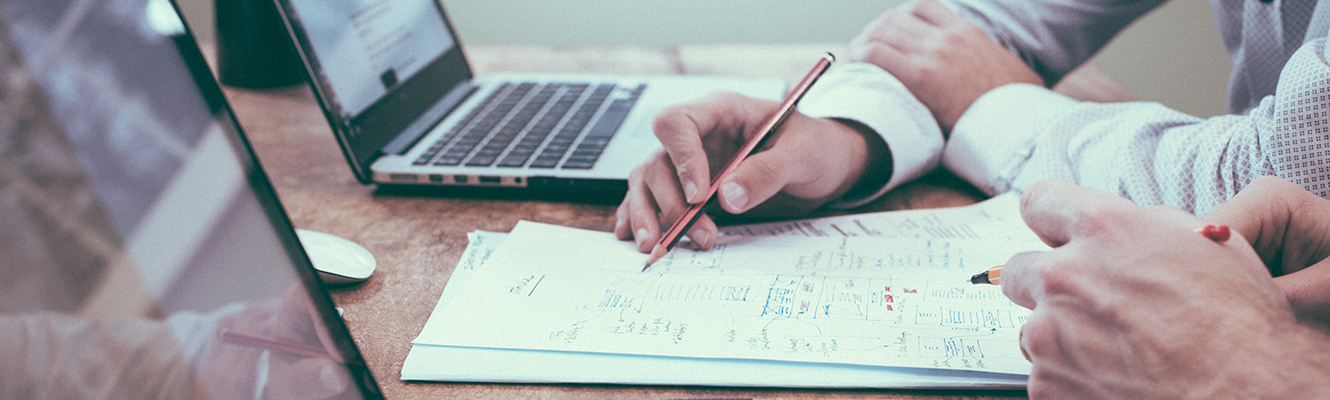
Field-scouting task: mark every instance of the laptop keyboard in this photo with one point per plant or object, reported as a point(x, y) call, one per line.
point(536, 125)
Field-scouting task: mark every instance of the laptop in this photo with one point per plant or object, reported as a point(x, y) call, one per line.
point(406, 108)
point(143, 252)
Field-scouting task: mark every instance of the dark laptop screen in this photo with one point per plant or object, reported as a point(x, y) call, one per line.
point(379, 68)
point(367, 48)
point(142, 252)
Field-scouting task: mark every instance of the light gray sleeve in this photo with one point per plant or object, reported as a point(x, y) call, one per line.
point(1016, 135)
point(1052, 36)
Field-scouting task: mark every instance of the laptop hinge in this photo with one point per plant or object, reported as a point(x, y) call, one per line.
point(435, 114)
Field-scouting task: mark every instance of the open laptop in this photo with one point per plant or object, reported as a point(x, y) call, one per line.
point(407, 109)
point(143, 253)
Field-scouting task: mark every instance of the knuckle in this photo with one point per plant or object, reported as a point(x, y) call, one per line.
point(1060, 279)
point(872, 53)
point(670, 121)
point(1090, 220)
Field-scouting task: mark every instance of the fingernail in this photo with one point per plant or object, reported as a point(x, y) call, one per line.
point(735, 196)
point(640, 236)
point(689, 190)
point(1020, 341)
point(618, 223)
point(328, 376)
point(703, 239)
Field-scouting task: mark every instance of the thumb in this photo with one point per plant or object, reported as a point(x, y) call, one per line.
point(753, 182)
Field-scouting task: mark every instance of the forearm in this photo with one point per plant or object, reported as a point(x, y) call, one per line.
point(1018, 135)
point(1052, 36)
point(49, 356)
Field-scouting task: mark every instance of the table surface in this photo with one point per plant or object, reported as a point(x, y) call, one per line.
point(418, 239)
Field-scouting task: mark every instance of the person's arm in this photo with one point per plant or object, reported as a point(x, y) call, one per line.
point(1053, 37)
point(951, 52)
point(1019, 134)
point(1290, 229)
point(944, 60)
point(53, 356)
point(1131, 303)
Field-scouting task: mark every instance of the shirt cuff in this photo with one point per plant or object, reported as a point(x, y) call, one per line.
point(995, 137)
point(868, 95)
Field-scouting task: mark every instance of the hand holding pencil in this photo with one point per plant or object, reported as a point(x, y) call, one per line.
point(804, 164)
point(768, 127)
point(1130, 297)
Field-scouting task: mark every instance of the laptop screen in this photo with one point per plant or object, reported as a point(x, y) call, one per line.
point(381, 69)
point(367, 48)
point(137, 233)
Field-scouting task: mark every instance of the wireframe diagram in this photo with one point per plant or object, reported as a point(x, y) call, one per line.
point(854, 300)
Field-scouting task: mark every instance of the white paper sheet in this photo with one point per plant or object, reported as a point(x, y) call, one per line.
point(858, 300)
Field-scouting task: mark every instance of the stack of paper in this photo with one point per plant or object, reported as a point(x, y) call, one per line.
point(868, 300)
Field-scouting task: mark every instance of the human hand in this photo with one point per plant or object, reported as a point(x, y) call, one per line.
point(805, 164)
point(1132, 304)
point(1290, 229)
point(292, 321)
point(945, 61)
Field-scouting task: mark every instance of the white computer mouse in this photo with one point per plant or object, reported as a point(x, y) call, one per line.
point(338, 260)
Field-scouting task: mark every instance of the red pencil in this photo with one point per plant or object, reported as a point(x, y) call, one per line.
point(1217, 233)
point(771, 124)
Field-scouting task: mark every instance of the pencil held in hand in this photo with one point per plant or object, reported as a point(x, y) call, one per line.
point(1217, 233)
point(992, 276)
point(769, 125)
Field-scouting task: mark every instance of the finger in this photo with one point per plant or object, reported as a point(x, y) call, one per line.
point(308, 378)
point(893, 44)
point(681, 130)
point(1308, 291)
point(1039, 335)
point(621, 228)
point(641, 211)
point(897, 28)
point(1255, 209)
point(753, 182)
point(793, 166)
point(704, 232)
point(632, 201)
point(666, 193)
point(935, 13)
point(1281, 221)
point(1022, 281)
point(1058, 210)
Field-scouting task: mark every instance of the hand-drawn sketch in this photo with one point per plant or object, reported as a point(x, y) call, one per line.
point(902, 301)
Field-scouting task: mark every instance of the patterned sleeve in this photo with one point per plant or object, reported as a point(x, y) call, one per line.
point(1019, 134)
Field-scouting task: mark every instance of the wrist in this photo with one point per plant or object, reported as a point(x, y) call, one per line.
point(1307, 373)
point(875, 171)
point(1291, 362)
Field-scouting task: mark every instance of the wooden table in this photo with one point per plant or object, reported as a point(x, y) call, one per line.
point(419, 239)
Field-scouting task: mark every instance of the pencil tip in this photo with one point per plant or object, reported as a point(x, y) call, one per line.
point(656, 254)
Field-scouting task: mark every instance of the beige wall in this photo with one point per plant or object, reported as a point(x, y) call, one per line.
point(1173, 56)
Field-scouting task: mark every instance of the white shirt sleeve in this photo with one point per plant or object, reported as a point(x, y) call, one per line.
point(1016, 135)
point(868, 95)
